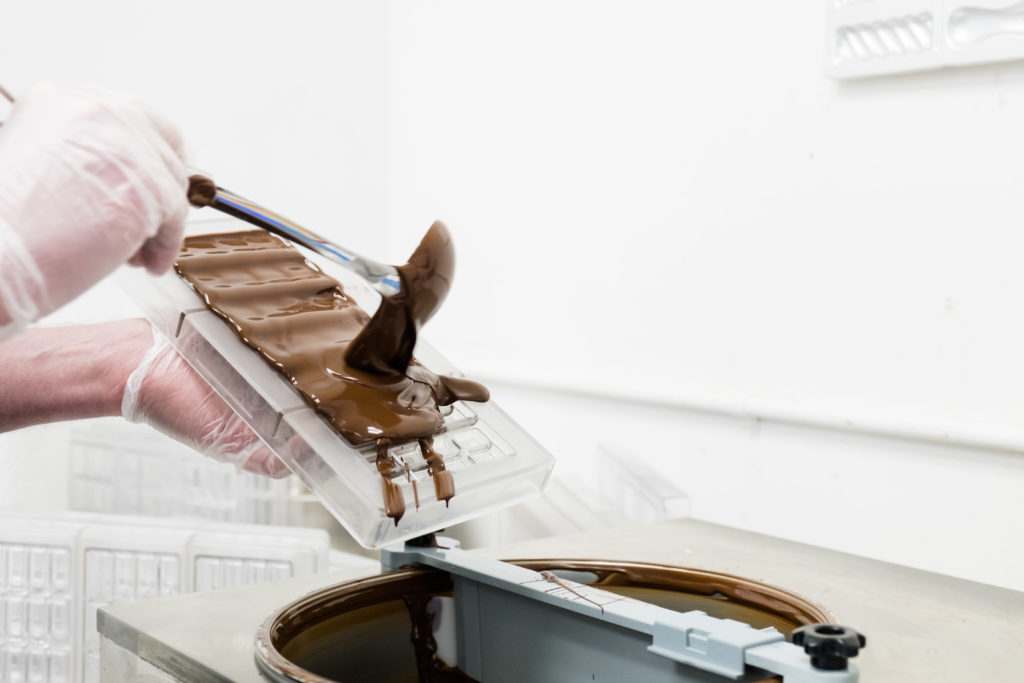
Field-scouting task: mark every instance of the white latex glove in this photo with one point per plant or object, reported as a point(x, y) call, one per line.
point(165, 392)
point(89, 180)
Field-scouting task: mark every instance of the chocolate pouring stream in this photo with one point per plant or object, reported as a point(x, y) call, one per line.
point(356, 371)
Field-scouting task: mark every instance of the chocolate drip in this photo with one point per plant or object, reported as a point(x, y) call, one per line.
point(444, 485)
point(394, 501)
point(385, 345)
point(429, 667)
point(458, 389)
point(302, 322)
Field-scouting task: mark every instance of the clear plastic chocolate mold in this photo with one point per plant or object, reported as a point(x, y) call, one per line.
point(493, 461)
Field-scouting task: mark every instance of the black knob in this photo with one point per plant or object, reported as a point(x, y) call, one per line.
point(829, 645)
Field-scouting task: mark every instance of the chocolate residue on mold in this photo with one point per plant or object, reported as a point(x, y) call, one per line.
point(444, 485)
point(394, 501)
point(357, 373)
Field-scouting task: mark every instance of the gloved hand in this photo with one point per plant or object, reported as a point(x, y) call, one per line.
point(122, 367)
point(165, 392)
point(89, 180)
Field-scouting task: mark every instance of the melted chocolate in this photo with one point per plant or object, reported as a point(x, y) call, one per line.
point(339, 619)
point(741, 596)
point(357, 372)
point(444, 485)
point(385, 345)
point(429, 667)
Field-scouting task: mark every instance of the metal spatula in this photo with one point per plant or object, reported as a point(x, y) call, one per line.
point(202, 191)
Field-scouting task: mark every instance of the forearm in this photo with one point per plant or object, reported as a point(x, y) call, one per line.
point(21, 284)
point(67, 373)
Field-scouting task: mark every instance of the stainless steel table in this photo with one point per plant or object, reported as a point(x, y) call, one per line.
point(920, 626)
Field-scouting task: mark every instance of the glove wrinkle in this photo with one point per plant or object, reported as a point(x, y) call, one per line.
point(164, 392)
point(89, 180)
point(130, 400)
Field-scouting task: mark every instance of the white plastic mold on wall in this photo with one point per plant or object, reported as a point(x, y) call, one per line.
point(874, 37)
point(57, 571)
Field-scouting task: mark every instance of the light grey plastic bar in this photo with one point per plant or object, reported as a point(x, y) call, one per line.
point(491, 594)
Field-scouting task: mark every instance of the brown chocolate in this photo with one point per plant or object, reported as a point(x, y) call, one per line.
point(330, 632)
point(394, 502)
point(201, 191)
point(430, 668)
point(444, 485)
point(385, 345)
point(359, 376)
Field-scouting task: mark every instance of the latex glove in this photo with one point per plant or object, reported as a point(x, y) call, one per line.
point(89, 180)
point(165, 392)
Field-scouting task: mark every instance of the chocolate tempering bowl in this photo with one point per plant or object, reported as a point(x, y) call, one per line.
point(360, 630)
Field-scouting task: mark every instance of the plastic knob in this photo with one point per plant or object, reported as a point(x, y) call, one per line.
point(829, 645)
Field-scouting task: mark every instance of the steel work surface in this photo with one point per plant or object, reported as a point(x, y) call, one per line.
point(920, 626)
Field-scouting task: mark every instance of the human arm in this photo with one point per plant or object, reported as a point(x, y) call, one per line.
point(68, 373)
point(110, 369)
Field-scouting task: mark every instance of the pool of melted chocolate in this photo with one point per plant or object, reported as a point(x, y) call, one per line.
point(378, 628)
point(356, 371)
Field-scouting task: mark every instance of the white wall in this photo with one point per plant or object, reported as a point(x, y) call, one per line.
point(667, 201)
point(939, 507)
point(678, 205)
point(283, 103)
point(840, 255)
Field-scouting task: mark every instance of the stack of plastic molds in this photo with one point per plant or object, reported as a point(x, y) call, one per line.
point(493, 461)
point(131, 469)
point(56, 571)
